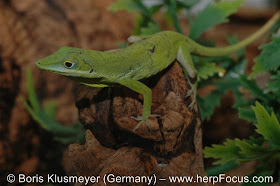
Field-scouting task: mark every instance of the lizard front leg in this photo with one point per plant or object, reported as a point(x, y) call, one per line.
point(141, 88)
point(185, 59)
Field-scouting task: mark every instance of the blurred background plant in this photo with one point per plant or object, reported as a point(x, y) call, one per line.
point(45, 116)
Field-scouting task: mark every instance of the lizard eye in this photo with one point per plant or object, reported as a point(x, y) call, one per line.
point(68, 64)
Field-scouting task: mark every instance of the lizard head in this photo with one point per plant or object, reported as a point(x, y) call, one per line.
point(67, 61)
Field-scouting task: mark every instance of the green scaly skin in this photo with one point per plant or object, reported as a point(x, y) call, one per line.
point(145, 57)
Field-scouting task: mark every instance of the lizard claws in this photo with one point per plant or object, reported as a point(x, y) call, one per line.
point(141, 119)
point(193, 90)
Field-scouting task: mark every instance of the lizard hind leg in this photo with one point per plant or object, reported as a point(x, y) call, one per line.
point(185, 59)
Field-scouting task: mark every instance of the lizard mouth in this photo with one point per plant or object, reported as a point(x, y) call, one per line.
point(38, 65)
point(41, 66)
point(49, 67)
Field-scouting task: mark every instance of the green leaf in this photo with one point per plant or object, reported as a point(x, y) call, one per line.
point(155, 9)
point(206, 70)
point(250, 149)
point(230, 81)
point(254, 89)
point(152, 28)
point(269, 59)
point(144, 20)
point(31, 91)
point(246, 113)
point(45, 117)
point(215, 170)
point(213, 14)
point(225, 153)
point(172, 10)
point(273, 88)
point(238, 151)
point(274, 85)
point(267, 125)
point(187, 3)
point(208, 104)
point(50, 108)
point(129, 6)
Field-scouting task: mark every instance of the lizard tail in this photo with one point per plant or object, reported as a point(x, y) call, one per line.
point(208, 51)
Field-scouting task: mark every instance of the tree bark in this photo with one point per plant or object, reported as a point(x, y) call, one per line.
point(171, 146)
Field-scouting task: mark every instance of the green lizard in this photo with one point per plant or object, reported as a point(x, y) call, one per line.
point(145, 57)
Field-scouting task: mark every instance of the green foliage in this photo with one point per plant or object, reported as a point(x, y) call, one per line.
point(252, 86)
point(273, 87)
point(172, 12)
point(129, 6)
point(145, 24)
point(267, 125)
point(230, 70)
point(230, 81)
point(269, 58)
point(213, 14)
point(50, 108)
point(236, 150)
point(265, 148)
point(151, 28)
point(186, 3)
point(229, 151)
point(246, 113)
point(45, 117)
point(215, 170)
point(207, 70)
